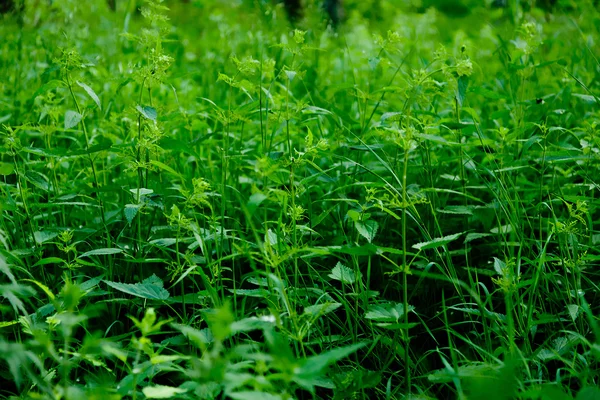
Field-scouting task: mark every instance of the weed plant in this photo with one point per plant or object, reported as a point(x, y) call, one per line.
point(202, 201)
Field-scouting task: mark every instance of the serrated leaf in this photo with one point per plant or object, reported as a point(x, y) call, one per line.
point(101, 252)
point(502, 229)
point(367, 229)
point(131, 211)
point(161, 392)
point(437, 242)
point(321, 309)
point(343, 274)
point(72, 118)
point(573, 310)
point(147, 112)
point(391, 312)
point(91, 93)
point(151, 288)
point(474, 236)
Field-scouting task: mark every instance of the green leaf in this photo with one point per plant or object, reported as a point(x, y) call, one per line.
point(151, 288)
point(101, 252)
point(344, 274)
point(161, 392)
point(367, 229)
point(437, 242)
point(573, 310)
point(131, 211)
point(391, 312)
point(199, 337)
point(461, 92)
point(91, 93)
point(72, 118)
point(38, 180)
point(588, 393)
point(148, 112)
point(254, 396)
point(6, 168)
point(309, 374)
point(321, 309)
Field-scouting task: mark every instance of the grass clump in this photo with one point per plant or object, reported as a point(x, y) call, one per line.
point(200, 201)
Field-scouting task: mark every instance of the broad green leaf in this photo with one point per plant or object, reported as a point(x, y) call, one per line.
point(44, 236)
point(391, 312)
point(101, 252)
point(131, 211)
point(151, 288)
point(72, 118)
point(588, 393)
point(6, 168)
point(367, 229)
point(344, 274)
point(147, 111)
point(161, 392)
point(90, 93)
point(437, 242)
point(573, 310)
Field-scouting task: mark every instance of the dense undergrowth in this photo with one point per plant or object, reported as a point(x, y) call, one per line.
point(205, 202)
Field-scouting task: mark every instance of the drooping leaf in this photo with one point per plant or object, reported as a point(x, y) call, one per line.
point(90, 93)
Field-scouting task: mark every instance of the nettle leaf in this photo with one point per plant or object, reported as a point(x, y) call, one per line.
point(391, 312)
point(344, 274)
point(322, 309)
point(161, 392)
point(437, 242)
point(101, 252)
point(148, 112)
point(151, 288)
point(91, 93)
point(131, 211)
point(573, 310)
point(72, 118)
point(367, 229)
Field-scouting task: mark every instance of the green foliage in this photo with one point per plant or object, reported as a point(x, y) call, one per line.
point(200, 201)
